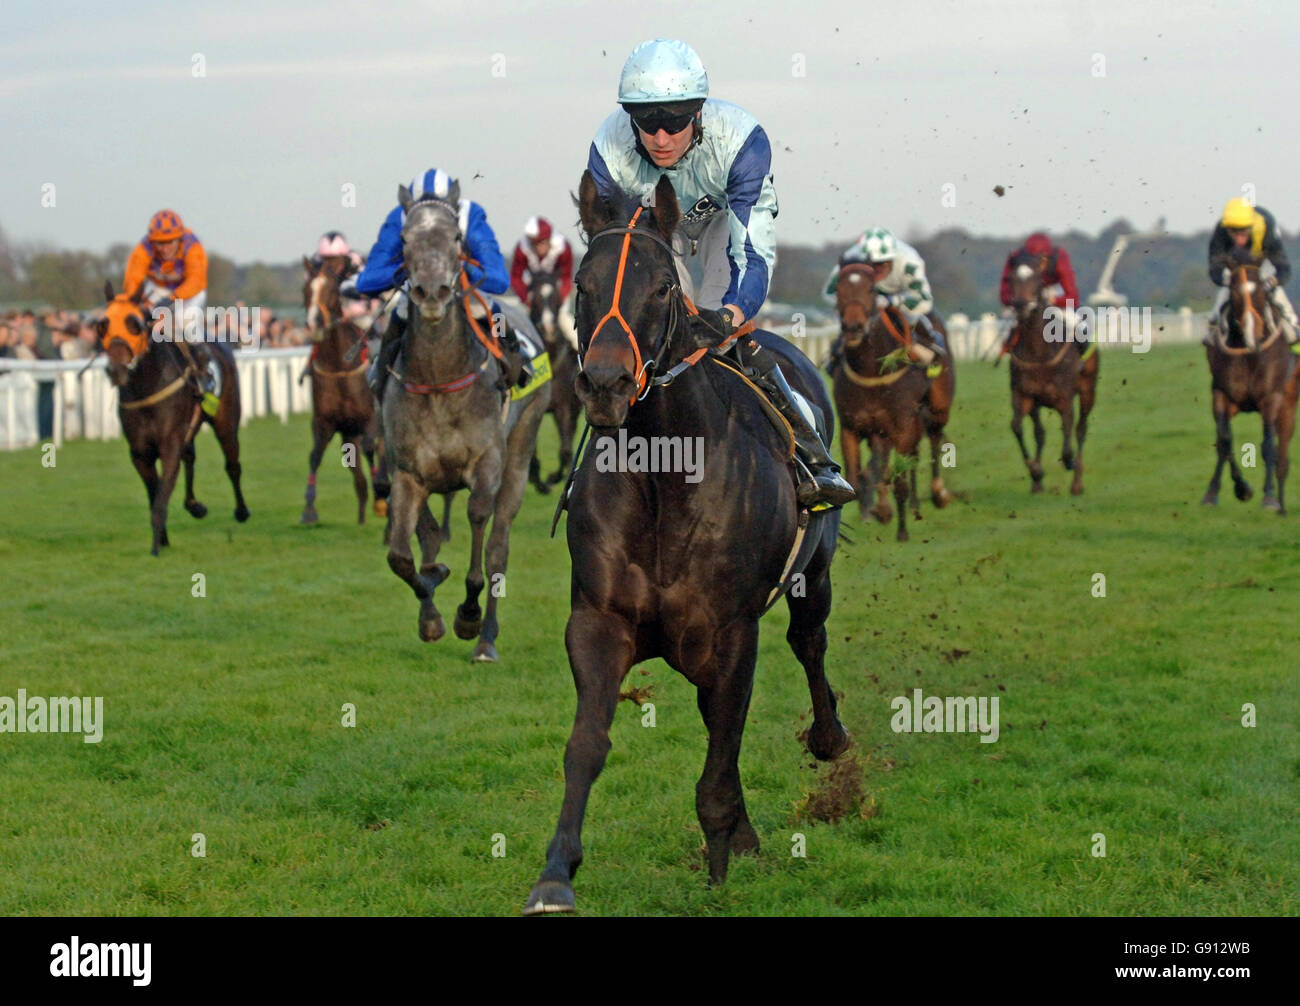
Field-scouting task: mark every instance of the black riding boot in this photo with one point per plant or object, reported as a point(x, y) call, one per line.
point(835, 357)
point(820, 481)
point(389, 344)
point(513, 344)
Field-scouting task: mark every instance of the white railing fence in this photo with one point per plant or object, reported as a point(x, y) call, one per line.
point(85, 403)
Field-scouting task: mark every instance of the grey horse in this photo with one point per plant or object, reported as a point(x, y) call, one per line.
point(448, 425)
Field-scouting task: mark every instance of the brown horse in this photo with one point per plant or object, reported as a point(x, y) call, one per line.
point(668, 564)
point(341, 401)
point(544, 306)
point(159, 411)
point(1047, 372)
point(1252, 370)
point(881, 399)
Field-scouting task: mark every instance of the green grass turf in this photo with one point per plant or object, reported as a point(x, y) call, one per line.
point(1119, 715)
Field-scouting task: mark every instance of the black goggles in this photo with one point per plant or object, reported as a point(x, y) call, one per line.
point(655, 119)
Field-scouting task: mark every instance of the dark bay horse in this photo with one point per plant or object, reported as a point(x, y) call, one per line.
point(1047, 373)
point(670, 565)
point(341, 401)
point(448, 425)
point(159, 411)
point(1252, 370)
point(544, 306)
point(884, 400)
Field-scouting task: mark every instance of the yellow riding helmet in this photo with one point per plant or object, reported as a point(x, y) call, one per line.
point(1238, 214)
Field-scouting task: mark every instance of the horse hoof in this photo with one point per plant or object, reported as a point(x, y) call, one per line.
point(903, 535)
point(381, 508)
point(827, 746)
point(1210, 499)
point(196, 509)
point(241, 514)
point(484, 653)
point(550, 897)
point(543, 488)
point(309, 516)
point(432, 629)
point(436, 573)
point(1037, 487)
point(941, 498)
point(1068, 463)
point(1271, 503)
point(1243, 492)
point(467, 627)
point(744, 842)
point(1076, 489)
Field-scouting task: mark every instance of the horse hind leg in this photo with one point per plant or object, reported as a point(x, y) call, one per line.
point(227, 431)
point(806, 635)
point(1269, 449)
point(939, 494)
point(192, 506)
point(358, 476)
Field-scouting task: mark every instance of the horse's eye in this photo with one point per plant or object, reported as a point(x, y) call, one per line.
point(665, 289)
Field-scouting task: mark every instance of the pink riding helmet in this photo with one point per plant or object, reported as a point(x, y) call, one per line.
point(333, 243)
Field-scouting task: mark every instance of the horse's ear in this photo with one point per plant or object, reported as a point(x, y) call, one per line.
point(138, 295)
point(667, 214)
point(404, 198)
point(108, 290)
point(101, 329)
point(593, 210)
point(307, 266)
point(453, 194)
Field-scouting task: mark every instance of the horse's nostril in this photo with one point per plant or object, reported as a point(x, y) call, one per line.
point(444, 292)
point(583, 384)
point(418, 290)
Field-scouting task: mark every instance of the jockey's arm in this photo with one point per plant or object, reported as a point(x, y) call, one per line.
point(518, 267)
point(1220, 262)
point(384, 263)
point(1065, 277)
point(751, 214)
point(1275, 253)
point(196, 273)
point(137, 270)
point(564, 266)
point(490, 275)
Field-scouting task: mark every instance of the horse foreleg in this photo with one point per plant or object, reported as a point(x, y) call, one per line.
point(1040, 439)
point(851, 449)
point(1020, 406)
point(876, 483)
point(407, 502)
point(192, 506)
point(566, 419)
point(601, 651)
point(724, 704)
point(171, 466)
point(146, 464)
point(1067, 434)
point(429, 536)
point(482, 498)
point(1087, 398)
point(322, 433)
point(1240, 487)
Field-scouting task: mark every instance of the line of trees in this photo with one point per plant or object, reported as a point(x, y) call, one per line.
point(964, 271)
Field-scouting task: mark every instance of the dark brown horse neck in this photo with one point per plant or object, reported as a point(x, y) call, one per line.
point(338, 339)
point(160, 364)
point(1028, 340)
point(887, 331)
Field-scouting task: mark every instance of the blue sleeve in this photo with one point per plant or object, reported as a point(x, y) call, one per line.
point(384, 267)
point(752, 208)
point(491, 275)
point(600, 173)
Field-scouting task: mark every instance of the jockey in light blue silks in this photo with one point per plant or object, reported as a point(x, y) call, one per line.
point(719, 161)
point(385, 268)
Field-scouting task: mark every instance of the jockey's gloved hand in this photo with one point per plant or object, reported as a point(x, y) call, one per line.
point(709, 327)
point(348, 289)
point(1270, 284)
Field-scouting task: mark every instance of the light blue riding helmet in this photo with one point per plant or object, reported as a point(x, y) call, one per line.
point(663, 70)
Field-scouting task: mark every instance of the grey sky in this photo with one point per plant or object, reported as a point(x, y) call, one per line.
point(898, 99)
